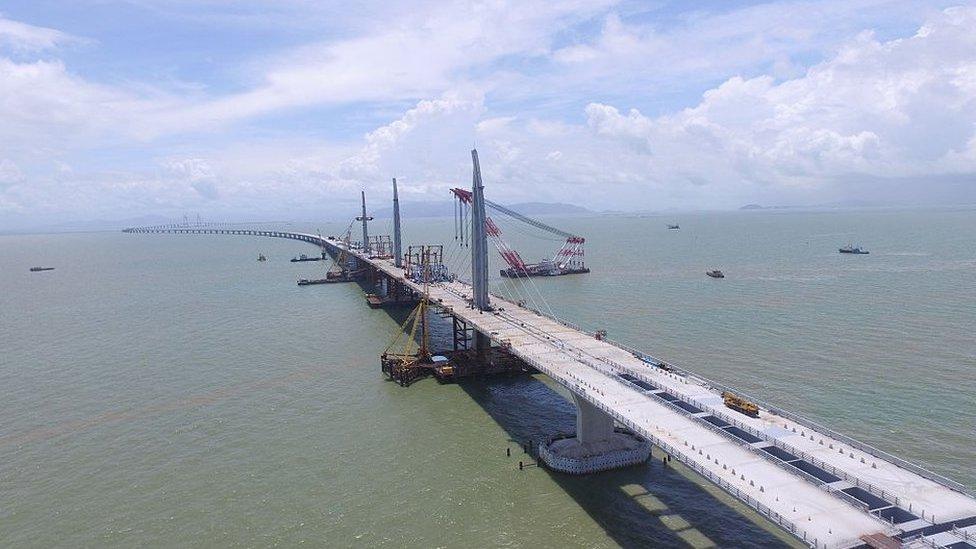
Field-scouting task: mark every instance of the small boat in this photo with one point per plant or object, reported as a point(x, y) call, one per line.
point(674, 227)
point(262, 258)
point(304, 257)
point(39, 269)
point(309, 282)
point(852, 249)
point(715, 273)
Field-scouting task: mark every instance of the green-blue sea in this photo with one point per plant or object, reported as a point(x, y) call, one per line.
point(160, 390)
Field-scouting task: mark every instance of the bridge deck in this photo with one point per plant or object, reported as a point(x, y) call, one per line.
point(808, 503)
point(821, 486)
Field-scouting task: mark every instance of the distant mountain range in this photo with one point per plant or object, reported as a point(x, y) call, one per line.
point(830, 205)
point(446, 209)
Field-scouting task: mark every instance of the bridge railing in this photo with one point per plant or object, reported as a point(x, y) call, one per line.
point(742, 496)
point(765, 455)
point(801, 420)
point(755, 504)
point(877, 490)
point(872, 488)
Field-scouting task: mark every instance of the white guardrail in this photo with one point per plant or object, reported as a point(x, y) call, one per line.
point(866, 448)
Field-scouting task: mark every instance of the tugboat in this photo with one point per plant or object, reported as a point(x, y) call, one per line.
point(715, 273)
point(674, 227)
point(304, 257)
point(262, 258)
point(852, 249)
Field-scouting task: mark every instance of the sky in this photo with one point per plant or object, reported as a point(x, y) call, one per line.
point(285, 109)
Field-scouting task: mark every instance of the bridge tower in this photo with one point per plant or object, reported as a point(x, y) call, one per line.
point(479, 240)
point(479, 254)
point(364, 218)
point(397, 259)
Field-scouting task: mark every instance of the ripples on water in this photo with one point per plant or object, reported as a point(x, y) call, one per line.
point(172, 390)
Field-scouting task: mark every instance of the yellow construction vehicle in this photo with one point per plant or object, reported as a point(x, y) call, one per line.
point(740, 404)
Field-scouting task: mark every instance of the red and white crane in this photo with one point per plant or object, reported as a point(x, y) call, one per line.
point(568, 259)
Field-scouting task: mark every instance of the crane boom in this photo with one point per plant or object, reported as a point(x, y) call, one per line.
point(568, 259)
point(526, 219)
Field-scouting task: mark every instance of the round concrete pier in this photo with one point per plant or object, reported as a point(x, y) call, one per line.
point(566, 454)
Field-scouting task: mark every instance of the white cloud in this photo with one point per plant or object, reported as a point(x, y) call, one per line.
point(423, 54)
point(905, 107)
point(193, 169)
point(872, 107)
point(22, 37)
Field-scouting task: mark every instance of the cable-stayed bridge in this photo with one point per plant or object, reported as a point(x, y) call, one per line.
point(823, 487)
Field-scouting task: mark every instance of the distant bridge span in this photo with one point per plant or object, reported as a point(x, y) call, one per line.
point(310, 238)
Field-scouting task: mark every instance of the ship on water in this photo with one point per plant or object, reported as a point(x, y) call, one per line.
point(301, 258)
point(852, 249)
point(545, 267)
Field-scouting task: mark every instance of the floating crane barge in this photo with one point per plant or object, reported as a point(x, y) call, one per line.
point(568, 259)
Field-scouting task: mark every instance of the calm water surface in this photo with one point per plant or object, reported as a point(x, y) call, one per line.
point(165, 390)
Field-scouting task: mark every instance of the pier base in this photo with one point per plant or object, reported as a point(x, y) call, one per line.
point(596, 446)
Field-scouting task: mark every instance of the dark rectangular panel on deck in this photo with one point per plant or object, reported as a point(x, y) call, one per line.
point(666, 396)
point(814, 471)
point(716, 421)
point(739, 433)
point(638, 382)
point(873, 501)
point(938, 528)
point(896, 515)
point(687, 407)
point(780, 453)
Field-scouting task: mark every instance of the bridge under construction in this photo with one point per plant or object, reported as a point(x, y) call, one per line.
point(823, 487)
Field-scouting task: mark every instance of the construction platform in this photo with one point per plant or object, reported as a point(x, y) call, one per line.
point(376, 301)
point(455, 365)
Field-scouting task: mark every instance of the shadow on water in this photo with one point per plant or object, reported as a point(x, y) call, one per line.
point(646, 505)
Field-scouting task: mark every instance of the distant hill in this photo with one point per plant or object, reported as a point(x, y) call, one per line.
point(446, 209)
point(825, 206)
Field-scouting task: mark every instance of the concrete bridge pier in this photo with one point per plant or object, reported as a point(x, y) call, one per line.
point(596, 446)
